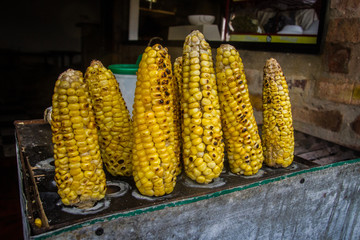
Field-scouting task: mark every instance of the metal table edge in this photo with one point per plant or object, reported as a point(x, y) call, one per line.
point(189, 200)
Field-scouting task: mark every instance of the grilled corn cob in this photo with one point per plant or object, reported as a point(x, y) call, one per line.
point(154, 160)
point(203, 147)
point(112, 119)
point(277, 130)
point(79, 173)
point(242, 140)
point(177, 112)
point(178, 75)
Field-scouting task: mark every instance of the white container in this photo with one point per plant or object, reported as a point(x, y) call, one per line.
point(125, 75)
point(127, 84)
point(201, 19)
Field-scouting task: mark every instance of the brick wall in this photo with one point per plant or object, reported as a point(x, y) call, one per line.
point(324, 88)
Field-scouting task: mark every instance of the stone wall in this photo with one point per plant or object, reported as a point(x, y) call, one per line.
point(324, 88)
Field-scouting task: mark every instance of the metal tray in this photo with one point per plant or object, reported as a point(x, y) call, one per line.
point(36, 169)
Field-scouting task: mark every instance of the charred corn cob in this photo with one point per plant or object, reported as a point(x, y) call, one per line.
point(277, 130)
point(178, 75)
point(112, 119)
point(79, 173)
point(177, 112)
point(242, 140)
point(154, 161)
point(203, 147)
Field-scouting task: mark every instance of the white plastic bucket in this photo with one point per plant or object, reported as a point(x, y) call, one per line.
point(125, 75)
point(127, 84)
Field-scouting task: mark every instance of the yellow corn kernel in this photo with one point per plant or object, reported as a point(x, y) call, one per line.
point(201, 108)
point(108, 102)
point(239, 125)
point(71, 140)
point(156, 153)
point(277, 130)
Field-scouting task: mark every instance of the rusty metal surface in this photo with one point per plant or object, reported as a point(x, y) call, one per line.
point(36, 155)
point(316, 203)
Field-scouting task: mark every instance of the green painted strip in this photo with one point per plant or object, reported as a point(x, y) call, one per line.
point(189, 200)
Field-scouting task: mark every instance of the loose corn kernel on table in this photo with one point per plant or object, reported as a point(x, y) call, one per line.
point(312, 197)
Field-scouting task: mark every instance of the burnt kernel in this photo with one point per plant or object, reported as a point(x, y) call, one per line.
point(167, 102)
point(243, 106)
point(244, 130)
point(167, 71)
point(191, 159)
point(161, 101)
point(121, 161)
point(167, 93)
point(123, 168)
point(215, 143)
